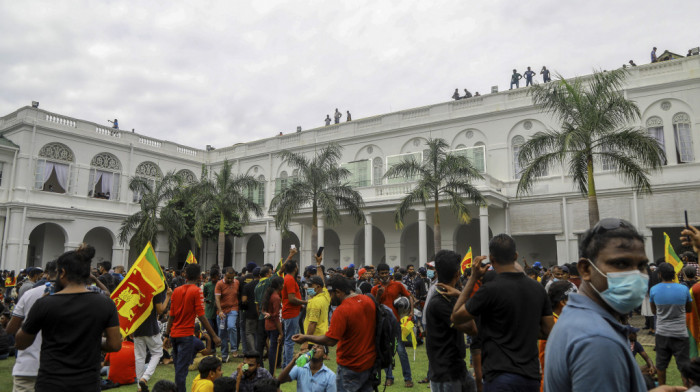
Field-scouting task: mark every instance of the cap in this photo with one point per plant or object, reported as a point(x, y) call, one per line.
point(351, 265)
point(537, 264)
point(256, 271)
point(431, 264)
point(361, 272)
point(565, 268)
point(311, 269)
point(250, 266)
point(422, 271)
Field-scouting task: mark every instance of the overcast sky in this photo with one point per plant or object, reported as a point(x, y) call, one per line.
point(224, 72)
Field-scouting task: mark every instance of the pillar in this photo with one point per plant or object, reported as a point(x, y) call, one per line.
point(368, 239)
point(422, 240)
point(484, 229)
point(321, 232)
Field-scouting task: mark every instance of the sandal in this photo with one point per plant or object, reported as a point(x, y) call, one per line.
point(424, 381)
point(409, 384)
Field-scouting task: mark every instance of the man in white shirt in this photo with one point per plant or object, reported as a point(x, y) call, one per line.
point(26, 368)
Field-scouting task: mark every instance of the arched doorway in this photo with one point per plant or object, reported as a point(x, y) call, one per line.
point(409, 245)
point(470, 235)
point(255, 250)
point(102, 240)
point(46, 242)
point(331, 253)
point(378, 248)
point(287, 242)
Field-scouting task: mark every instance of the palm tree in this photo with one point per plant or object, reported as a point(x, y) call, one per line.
point(439, 175)
point(225, 195)
point(320, 183)
point(594, 118)
point(154, 214)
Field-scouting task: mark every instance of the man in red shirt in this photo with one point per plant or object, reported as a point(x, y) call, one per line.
point(291, 308)
point(352, 329)
point(386, 292)
point(186, 304)
point(122, 364)
point(226, 297)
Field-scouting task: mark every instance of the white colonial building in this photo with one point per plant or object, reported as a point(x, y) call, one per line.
point(63, 181)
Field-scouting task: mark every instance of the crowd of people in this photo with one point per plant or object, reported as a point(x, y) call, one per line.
point(337, 116)
point(527, 328)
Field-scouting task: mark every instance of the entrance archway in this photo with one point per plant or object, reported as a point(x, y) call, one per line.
point(470, 235)
point(287, 242)
point(331, 253)
point(409, 245)
point(378, 248)
point(46, 242)
point(102, 240)
point(255, 250)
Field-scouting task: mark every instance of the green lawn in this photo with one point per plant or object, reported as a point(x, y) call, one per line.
point(419, 369)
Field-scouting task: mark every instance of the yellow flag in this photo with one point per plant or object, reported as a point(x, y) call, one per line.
point(190, 259)
point(671, 257)
point(407, 329)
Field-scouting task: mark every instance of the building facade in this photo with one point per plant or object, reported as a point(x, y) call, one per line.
point(64, 181)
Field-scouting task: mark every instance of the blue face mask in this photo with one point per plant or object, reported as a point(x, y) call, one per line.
point(555, 279)
point(626, 290)
point(431, 274)
point(310, 292)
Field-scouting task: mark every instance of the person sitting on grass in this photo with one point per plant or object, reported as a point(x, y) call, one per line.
point(314, 376)
point(267, 385)
point(164, 386)
point(691, 375)
point(249, 372)
point(637, 348)
point(209, 370)
point(225, 384)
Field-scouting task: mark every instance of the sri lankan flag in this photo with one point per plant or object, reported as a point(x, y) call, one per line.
point(671, 257)
point(692, 321)
point(279, 271)
point(466, 261)
point(190, 259)
point(134, 295)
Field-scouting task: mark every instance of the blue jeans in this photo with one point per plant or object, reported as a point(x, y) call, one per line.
point(405, 364)
point(291, 328)
point(183, 352)
point(350, 381)
point(272, 351)
point(516, 83)
point(509, 382)
point(229, 333)
point(466, 384)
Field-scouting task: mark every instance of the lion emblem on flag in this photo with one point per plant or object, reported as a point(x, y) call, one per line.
point(127, 300)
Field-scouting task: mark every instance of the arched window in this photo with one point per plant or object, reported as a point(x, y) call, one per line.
point(282, 182)
point(516, 144)
point(187, 176)
point(655, 127)
point(684, 138)
point(377, 170)
point(480, 156)
point(105, 177)
point(54, 168)
point(149, 171)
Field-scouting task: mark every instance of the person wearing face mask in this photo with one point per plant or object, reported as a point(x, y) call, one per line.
point(319, 300)
point(588, 349)
point(670, 302)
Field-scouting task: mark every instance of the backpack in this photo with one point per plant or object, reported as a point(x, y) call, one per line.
point(386, 336)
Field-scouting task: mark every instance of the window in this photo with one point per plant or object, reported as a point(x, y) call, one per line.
point(360, 173)
point(54, 168)
point(105, 177)
point(684, 138)
point(475, 155)
point(257, 194)
point(606, 163)
point(282, 182)
point(655, 127)
point(516, 144)
point(395, 159)
point(187, 176)
point(377, 170)
point(151, 173)
point(1, 168)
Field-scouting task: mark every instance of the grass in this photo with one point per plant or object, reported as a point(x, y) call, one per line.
point(419, 368)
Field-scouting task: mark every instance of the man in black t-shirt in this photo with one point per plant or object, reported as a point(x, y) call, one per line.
point(105, 277)
point(147, 337)
point(514, 312)
point(250, 311)
point(445, 340)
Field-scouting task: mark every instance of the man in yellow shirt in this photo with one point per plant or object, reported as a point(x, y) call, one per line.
point(316, 321)
point(209, 370)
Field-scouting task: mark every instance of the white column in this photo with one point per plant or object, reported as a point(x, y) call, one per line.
point(368, 239)
point(484, 229)
point(422, 240)
point(321, 233)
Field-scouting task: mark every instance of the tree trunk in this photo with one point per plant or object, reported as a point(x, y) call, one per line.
point(593, 214)
point(437, 234)
point(222, 242)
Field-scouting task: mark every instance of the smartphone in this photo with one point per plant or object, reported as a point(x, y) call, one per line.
point(485, 262)
point(293, 246)
point(320, 250)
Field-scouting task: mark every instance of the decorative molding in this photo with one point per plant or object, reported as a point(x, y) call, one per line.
point(370, 149)
point(149, 169)
point(369, 123)
point(527, 125)
point(187, 151)
point(681, 118)
point(106, 160)
point(61, 120)
point(150, 142)
point(666, 105)
point(57, 151)
point(187, 176)
point(470, 134)
point(654, 122)
point(416, 142)
point(415, 113)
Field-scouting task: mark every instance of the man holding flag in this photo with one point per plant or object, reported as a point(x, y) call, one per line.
point(147, 337)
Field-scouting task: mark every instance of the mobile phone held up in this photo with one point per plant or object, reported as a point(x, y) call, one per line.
point(292, 246)
point(320, 251)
